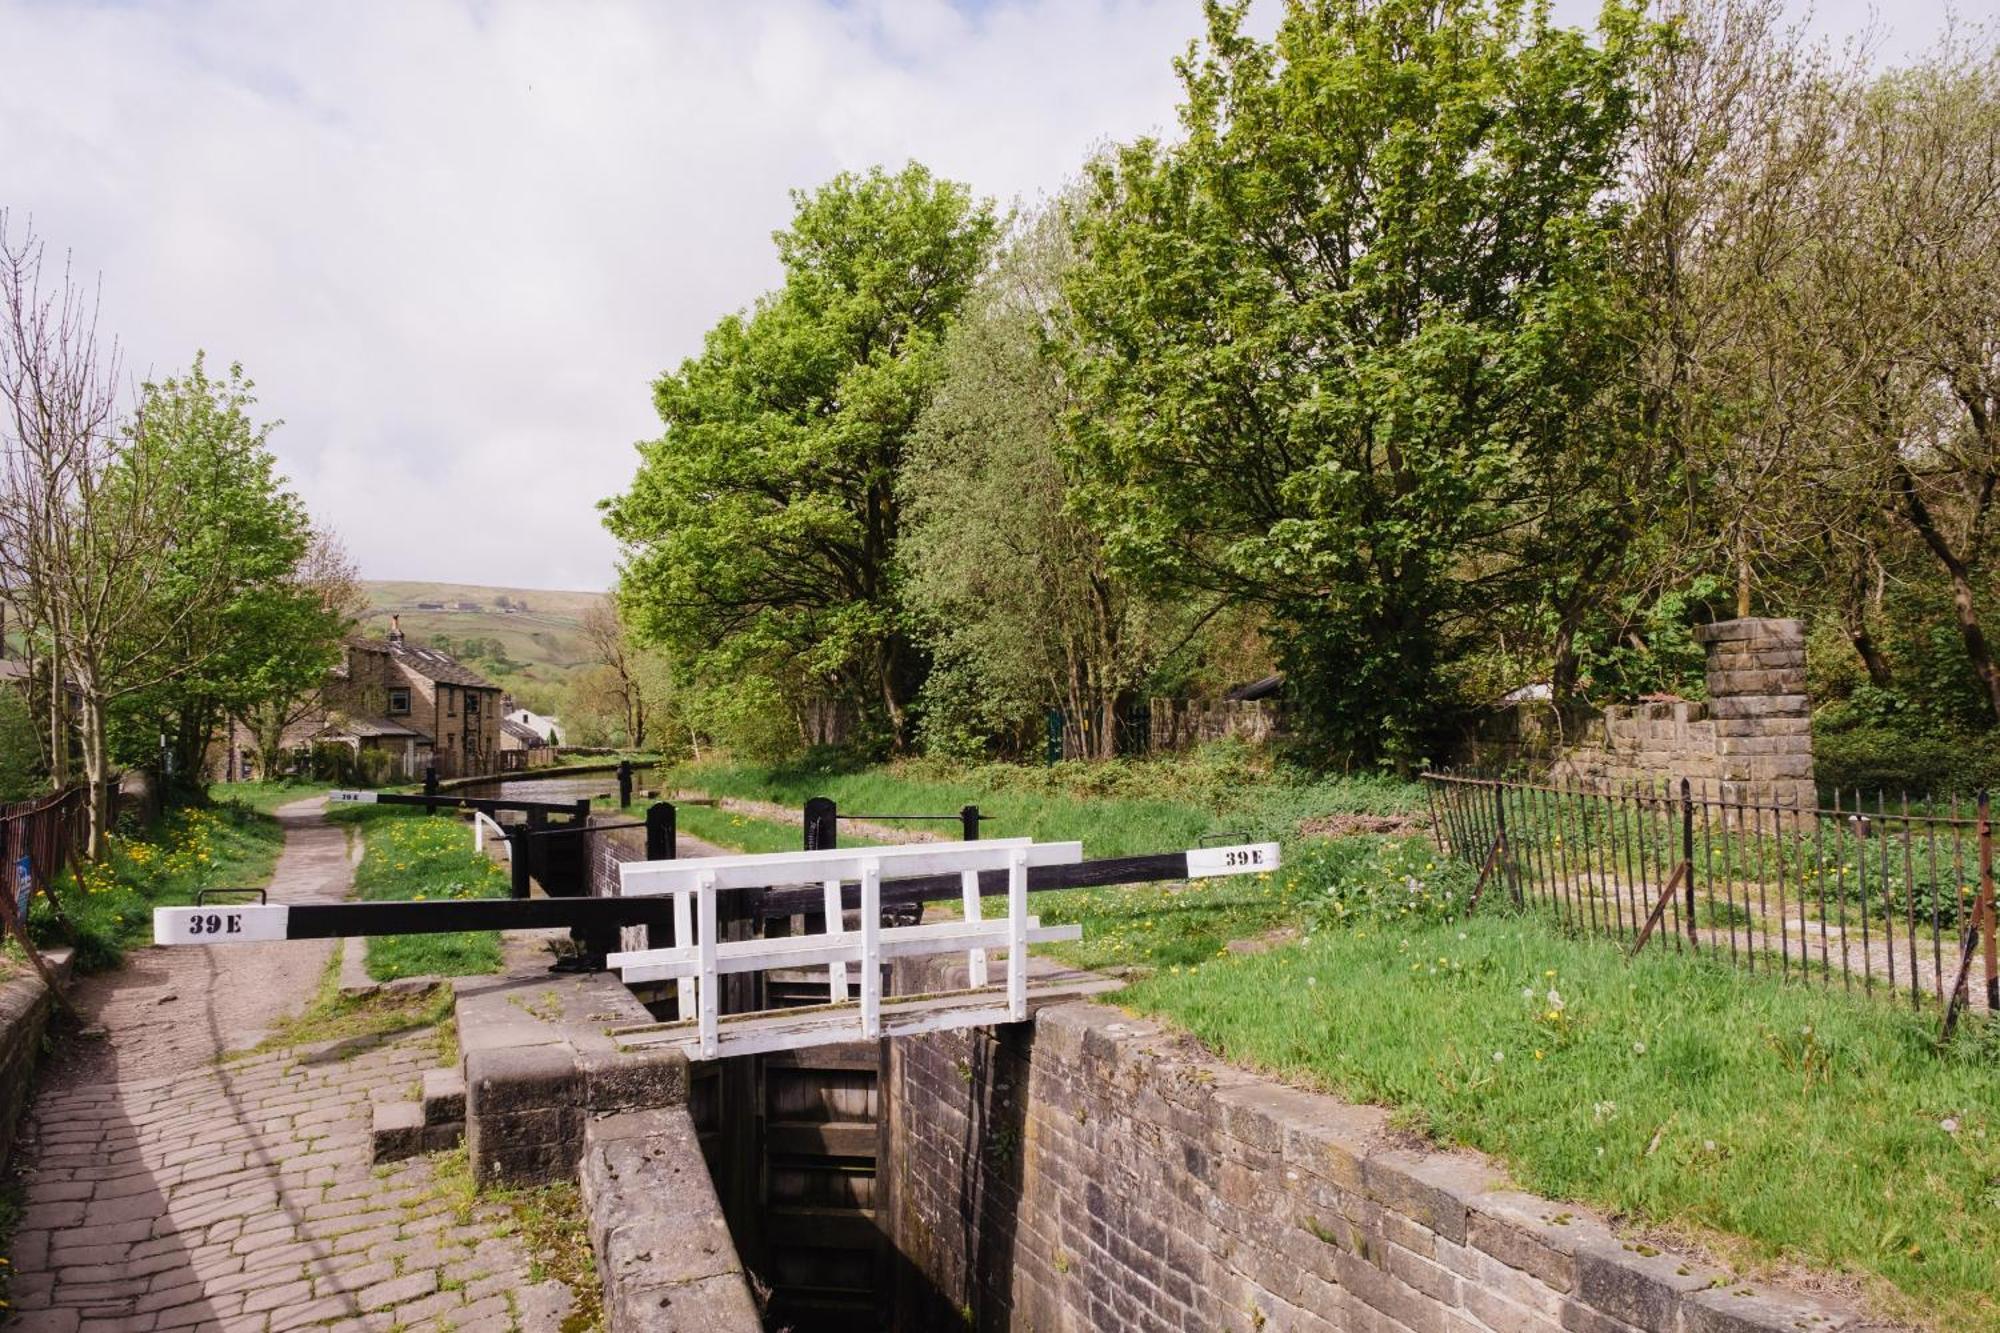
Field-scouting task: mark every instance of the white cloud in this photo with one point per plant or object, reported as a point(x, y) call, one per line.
point(454, 243)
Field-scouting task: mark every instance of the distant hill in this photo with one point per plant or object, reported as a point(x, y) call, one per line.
point(525, 637)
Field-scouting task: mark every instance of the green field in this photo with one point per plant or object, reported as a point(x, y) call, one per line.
point(541, 645)
point(110, 904)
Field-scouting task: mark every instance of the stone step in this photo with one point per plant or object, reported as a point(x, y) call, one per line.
point(444, 1096)
point(400, 1131)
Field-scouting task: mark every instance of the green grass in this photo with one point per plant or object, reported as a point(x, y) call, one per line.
point(410, 856)
point(266, 797)
point(746, 833)
point(1116, 808)
point(362, 1020)
point(1818, 1128)
point(550, 1222)
point(110, 904)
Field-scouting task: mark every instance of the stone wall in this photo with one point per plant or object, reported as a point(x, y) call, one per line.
point(1088, 1171)
point(1176, 724)
point(1751, 741)
point(25, 1007)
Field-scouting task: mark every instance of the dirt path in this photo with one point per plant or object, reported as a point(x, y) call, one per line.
point(1864, 961)
point(171, 1010)
point(787, 814)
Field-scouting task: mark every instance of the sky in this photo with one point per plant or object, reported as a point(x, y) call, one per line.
point(454, 243)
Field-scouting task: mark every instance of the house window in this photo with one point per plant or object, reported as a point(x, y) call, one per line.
point(450, 703)
point(399, 702)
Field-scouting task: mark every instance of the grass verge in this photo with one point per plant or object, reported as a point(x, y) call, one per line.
point(266, 797)
point(747, 833)
point(408, 855)
point(364, 1020)
point(13, 1201)
point(110, 904)
point(1116, 808)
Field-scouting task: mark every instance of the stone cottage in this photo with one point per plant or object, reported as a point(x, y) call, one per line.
point(419, 705)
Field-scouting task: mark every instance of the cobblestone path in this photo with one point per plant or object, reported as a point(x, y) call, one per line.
point(238, 1194)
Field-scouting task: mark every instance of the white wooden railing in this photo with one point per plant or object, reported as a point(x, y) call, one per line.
point(698, 966)
point(481, 822)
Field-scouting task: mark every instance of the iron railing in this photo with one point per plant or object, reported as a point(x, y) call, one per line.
point(37, 839)
point(1876, 894)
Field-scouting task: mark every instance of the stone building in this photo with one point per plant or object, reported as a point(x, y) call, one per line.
point(419, 705)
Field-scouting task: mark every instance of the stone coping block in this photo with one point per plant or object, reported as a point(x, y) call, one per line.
point(664, 1253)
point(539, 1063)
point(1776, 629)
point(1304, 1144)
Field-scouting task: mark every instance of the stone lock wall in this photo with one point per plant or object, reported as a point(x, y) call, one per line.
point(1751, 741)
point(1089, 1171)
point(25, 1008)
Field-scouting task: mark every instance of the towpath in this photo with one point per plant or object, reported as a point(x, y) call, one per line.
point(169, 1184)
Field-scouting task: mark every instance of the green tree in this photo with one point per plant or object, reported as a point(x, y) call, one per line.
point(20, 748)
point(1013, 591)
point(1348, 347)
point(237, 620)
point(760, 534)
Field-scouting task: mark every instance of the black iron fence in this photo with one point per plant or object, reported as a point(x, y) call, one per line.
point(37, 839)
point(1875, 894)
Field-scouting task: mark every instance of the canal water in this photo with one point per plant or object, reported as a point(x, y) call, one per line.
point(562, 790)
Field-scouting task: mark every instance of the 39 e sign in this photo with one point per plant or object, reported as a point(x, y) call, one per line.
point(1242, 859)
point(219, 925)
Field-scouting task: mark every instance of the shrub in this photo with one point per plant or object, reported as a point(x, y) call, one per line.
point(1881, 759)
point(1353, 881)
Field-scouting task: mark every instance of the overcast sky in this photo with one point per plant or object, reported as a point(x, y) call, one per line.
point(455, 242)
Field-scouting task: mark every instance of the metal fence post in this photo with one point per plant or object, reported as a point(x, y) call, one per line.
point(1687, 849)
point(431, 783)
point(660, 832)
point(517, 860)
point(1983, 919)
point(968, 819)
point(624, 784)
point(822, 821)
point(1502, 847)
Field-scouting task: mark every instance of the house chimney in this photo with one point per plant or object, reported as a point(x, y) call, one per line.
point(395, 629)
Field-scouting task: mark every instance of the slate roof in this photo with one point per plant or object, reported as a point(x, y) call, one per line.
point(1268, 688)
point(426, 662)
point(527, 735)
point(442, 667)
point(369, 728)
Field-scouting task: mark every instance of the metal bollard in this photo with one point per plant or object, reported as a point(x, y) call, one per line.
point(822, 819)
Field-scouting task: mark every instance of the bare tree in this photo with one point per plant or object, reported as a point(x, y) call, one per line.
point(619, 676)
point(85, 518)
point(330, 577)
point(1912, 269)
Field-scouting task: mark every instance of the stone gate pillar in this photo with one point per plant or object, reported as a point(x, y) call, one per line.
point(1763, 720)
